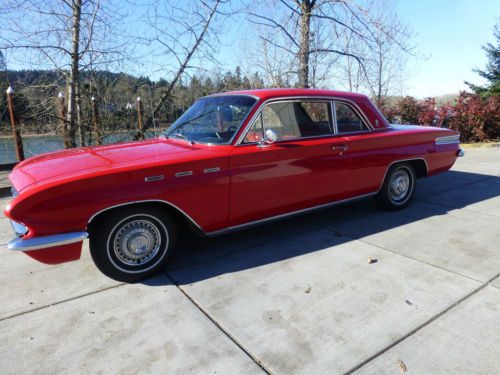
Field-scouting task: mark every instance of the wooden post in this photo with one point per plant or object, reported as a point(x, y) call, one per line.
point(15, 132)
point(64, 123)
point(95, 122)
point(139, 117)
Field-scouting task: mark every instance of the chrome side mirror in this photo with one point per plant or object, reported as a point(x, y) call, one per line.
point(270, 136)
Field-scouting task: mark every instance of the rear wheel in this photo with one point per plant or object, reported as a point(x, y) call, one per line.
point(398, 187)
point(132, 243)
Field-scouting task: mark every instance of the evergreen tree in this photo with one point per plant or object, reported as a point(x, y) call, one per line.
point(3, 65)
point(492, 71)
point(237, 78)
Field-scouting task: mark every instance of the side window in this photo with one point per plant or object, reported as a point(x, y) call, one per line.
point(255, 134)
point(280, 118)
point(348, 121)
point(293, 120)
point(315, 118)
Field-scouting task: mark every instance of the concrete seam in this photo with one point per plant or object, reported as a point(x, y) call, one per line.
point(219, 325)
point(491, 282)
point(60, 302)
point(421, 326)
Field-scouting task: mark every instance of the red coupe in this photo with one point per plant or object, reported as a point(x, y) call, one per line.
point(232, 160)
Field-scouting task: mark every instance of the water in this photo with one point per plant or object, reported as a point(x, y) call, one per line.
point(35, 145)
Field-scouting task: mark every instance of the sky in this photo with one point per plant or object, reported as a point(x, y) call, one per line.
point(449, 36)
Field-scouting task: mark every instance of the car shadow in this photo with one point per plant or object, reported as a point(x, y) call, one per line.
point(320, 230)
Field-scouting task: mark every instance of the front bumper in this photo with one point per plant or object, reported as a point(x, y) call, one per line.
point(44, 242)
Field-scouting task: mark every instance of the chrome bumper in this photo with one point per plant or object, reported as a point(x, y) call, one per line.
point(39, 243)
point(43, 242)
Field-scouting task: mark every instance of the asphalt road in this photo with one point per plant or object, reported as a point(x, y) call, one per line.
point(296, 297)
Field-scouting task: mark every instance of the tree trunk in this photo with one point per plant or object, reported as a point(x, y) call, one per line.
point(79, 125)
point(379, 77)
point(73, 74)
point(306, 7)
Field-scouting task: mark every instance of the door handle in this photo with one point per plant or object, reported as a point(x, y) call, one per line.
point(340, 147)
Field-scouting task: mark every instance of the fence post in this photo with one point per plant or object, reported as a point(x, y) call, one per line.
point(95, 122)
point(139, 117)
point(15, 131)
point(64, 124)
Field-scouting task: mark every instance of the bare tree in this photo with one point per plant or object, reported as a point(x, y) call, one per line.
point(315, 30)
point(277, 68)
point(185, 33)
point(66, 35)
point(391, 48)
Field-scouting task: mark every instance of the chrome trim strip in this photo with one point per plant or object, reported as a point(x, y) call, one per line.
point(293, 213)
point(146, 201)
point(334, 118)
point(39, 243)
point(447, 140)
point(19, 229)
point(154, 178)
point(229, 93)
point(185, 173)
point(211, 170)
point(332, 136)
point(400, 161)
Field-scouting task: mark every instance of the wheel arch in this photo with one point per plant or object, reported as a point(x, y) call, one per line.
point(419, 166)
point(178, 214)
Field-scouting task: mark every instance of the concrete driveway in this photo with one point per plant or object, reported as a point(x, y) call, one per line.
point(348, 289)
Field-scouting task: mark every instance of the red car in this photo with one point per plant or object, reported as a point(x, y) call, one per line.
point(232, 160)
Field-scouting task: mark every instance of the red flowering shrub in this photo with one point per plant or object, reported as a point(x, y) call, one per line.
point(408, 110)
point(427, 113)
point(475, 117)
point(443, 116)
point(390, 112)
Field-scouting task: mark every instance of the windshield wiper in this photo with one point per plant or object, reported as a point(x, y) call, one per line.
point(182, 136)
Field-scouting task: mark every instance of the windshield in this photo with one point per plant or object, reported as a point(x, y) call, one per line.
point(213, 119)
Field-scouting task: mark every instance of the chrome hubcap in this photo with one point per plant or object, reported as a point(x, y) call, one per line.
point(137, 242)
point(399, 185)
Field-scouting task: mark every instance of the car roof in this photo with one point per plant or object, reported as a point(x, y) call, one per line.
point(265, 94)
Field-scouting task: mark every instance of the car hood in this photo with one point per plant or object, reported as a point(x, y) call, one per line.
point(92, 160)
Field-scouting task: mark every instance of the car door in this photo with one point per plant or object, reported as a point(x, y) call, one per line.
point(368, 153)
point(305, 167)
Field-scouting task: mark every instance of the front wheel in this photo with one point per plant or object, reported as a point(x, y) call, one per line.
point(132, 243)
point(398, 187)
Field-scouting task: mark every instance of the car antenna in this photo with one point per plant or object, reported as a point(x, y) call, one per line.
point(152, 110)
